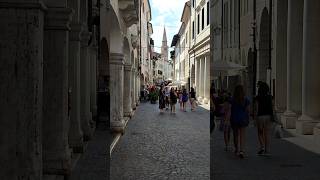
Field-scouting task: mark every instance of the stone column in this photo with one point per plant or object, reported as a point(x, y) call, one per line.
point(127, 105)
point(93, 81)
point(197, 64)
point(294, 63)
point(75, 132)
point(310, 69)
point(207, 80)
point(133, 86)
point(201, 78)
point(116, 92)
point(137, 88)
point(56, 153)
point(21, 70)
point(86, 116)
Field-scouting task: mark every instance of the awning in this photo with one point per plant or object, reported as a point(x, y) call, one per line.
point(225, 68)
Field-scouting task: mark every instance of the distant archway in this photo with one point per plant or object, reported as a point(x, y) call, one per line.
point(263, 53)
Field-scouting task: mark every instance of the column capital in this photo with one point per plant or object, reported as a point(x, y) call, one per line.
point(84, 36)
point(127, 67)
point(116, 58)
point(75, 33)
point(58, 18)
point(24, 5)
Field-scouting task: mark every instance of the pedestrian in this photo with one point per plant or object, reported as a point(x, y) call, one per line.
point(162, 104)
point(180, 98)
point(185, 97)
point(212, 107)
point(167, 97)
point(192, 99)
point(263, 116)
point(239, 118)
point(226, 123)
point(173, 100)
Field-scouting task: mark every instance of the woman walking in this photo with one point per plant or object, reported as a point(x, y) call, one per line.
point(239, 119)
point(184, 99)
point(192, 99)
point(173, 100)
point(263, 103)
point(162, 103)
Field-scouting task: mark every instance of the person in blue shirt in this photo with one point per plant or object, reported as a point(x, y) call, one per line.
point(239, 118)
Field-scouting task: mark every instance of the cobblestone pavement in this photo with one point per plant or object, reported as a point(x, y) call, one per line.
point(163, 146)
point(287, 161)
point(92, 164)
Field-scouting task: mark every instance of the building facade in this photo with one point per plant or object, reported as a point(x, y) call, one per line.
point(199, 51)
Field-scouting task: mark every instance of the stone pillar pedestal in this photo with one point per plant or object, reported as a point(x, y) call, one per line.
point(316, 133)
point(75, 131)
point(127, 105)
point(55, 144)
point(288, 119)
point(310, 68)
point(21, 72)
point(116, 92)
point(86, 116)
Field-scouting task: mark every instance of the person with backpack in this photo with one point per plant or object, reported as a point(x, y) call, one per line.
point(173, 100)
point(263, 117)
point(239, 118)
point(185, 97)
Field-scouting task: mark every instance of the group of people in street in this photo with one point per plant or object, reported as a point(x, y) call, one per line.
point(168, 98)
point(235, 112)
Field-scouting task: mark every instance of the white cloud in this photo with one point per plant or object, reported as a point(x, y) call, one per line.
point(165, 13)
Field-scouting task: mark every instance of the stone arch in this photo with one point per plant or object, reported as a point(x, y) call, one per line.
point(263, 55)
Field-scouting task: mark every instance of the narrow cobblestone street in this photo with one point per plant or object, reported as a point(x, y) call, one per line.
point(287, 161)
point(163, 146)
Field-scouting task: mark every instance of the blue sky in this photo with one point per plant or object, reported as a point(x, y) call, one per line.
point(168, 13)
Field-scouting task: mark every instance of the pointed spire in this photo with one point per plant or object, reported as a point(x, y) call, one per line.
point(164, 37)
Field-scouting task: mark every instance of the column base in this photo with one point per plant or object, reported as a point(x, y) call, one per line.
point(77, 145)
point(200, 99)
point(205, 101)
point(94, 111)
point(316, 133)
point(128, 114)
point(305, 125)
point(58, 163)
point(289, 119)
point(117, 126)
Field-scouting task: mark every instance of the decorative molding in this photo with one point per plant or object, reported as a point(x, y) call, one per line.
point(134, 41)
point(75, 33)
point(58, 19)
point(116, 58)
point(129, 11)
point(24, 5)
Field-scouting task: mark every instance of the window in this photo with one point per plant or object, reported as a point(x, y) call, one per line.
point(193, 3)
point(202, 22)
point(208, 14)
point(193, 30)
point(198, 26)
